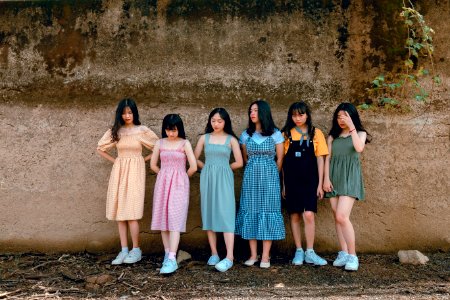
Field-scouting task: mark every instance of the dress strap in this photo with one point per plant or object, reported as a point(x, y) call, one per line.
point(206, 138)
point(182, 145)
point(161, 144)
point(227, 141)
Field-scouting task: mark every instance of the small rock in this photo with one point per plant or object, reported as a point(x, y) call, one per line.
point(182, 256)
point(92, 286)
point(412, 257)
point(91, 279)
point(99, 279)
point(105, 278)
point(279, 285)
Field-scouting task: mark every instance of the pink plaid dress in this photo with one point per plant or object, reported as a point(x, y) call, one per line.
point(171, 195)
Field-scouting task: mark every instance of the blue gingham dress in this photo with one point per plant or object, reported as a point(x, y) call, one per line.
point(259, 216)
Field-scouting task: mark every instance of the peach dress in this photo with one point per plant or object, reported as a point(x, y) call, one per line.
point(126, 189)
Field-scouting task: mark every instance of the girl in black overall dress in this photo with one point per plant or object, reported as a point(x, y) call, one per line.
point(303, 165)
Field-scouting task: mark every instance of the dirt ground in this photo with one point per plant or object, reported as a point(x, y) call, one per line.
point(88, 276)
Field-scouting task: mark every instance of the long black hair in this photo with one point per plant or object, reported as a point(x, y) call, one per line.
point(228, 128)
point(353, 113)
point(119, 122)
point(300, 108)
point(172, 121)
point(265, 118)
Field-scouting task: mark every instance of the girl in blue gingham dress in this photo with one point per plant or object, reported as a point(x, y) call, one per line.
point(259, 216)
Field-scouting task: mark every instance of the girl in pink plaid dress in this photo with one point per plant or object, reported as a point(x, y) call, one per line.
point(171, 194)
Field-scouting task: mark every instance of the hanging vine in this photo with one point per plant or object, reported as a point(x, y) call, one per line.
point(391, 88)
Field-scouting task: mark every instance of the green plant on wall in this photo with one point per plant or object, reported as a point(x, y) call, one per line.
point(389, 89)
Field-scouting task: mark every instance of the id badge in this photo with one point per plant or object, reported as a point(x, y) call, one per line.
point(298, 154)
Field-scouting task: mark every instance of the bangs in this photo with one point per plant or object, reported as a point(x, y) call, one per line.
point(299, 110)
point(171, 126)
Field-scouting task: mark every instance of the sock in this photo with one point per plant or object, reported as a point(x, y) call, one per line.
point(171, 255)
point(300, 249)
point(125, 249)
point(167, 251)
point(310, 249)
point(137, 248)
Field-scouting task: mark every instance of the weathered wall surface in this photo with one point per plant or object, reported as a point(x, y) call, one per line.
point(63, 67)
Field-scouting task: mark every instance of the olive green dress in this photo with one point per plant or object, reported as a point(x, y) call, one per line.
point(345, 170)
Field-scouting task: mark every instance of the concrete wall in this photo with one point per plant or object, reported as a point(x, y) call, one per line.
point(63, 68)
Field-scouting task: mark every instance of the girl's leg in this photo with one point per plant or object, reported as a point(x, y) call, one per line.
point(174, 241)
point(165, 236)
point(342, 243)
point(212, 239)
point(123, 233)
point(310, 228)
point(253, 249)
point(229, 243)
point(344, 209)
point(134, 231)
point(266, 251)
point(295, 227)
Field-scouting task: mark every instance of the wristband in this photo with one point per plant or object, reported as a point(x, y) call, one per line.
point(352, 130)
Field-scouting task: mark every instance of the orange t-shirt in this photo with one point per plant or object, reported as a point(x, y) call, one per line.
point(320, 144)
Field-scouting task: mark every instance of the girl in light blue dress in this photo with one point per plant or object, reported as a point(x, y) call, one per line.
point(217, 184)
point(259, 216)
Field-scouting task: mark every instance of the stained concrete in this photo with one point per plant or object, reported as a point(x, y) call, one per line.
point(63, 68)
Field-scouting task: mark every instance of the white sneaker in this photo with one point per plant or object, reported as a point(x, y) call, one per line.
point(133, 256)
point(120, 258)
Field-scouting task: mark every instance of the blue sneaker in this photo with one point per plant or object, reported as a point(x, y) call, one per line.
point(299, 257)
point(169, 266)
point(213, 260)
point(120, 258)
point(133, 256)
point(312, 258)
point(224, 265)
point(341, 259)
point(352, 263)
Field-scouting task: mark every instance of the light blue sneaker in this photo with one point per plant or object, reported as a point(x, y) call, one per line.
point(224, 265)
point(312, 258)
point(169, 266)
point(213, 260)
point(133, 256)
point(120, 258)
point(341, 259)
point(299, 257)
point(352, 263)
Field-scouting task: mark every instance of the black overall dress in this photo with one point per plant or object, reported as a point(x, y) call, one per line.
point(301, 176)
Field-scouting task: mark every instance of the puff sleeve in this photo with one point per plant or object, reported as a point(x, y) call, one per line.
point(106, 142)
point(243, 138)
point(278, 137)
point(148, 138)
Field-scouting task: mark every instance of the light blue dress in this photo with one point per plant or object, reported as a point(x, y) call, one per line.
point(259, 215)
point(217, 188)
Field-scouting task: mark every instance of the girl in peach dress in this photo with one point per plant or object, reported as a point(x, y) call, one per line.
point(126, 189)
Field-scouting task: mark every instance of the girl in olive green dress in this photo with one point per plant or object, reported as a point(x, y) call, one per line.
point(343, 180)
